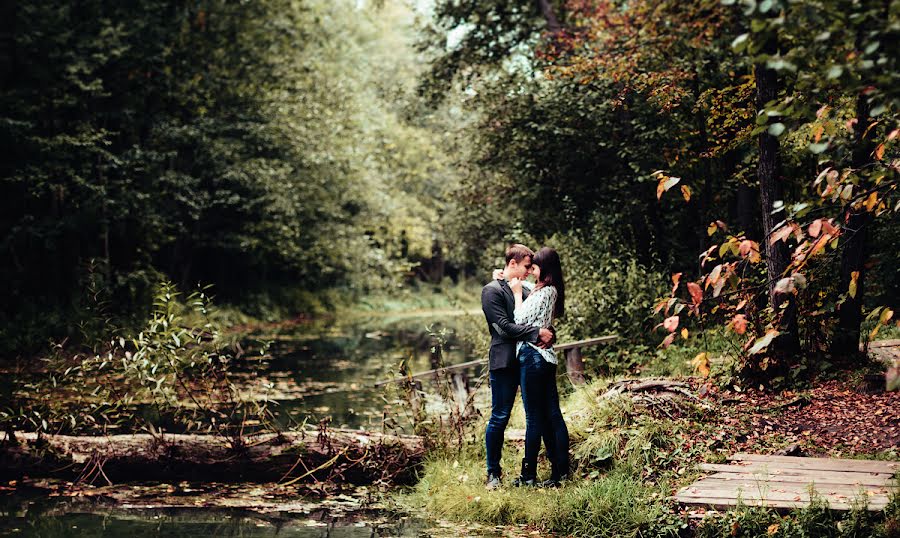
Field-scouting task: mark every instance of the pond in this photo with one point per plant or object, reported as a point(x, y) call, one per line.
point(315, 371)
point(329, 370)
point(350, 516)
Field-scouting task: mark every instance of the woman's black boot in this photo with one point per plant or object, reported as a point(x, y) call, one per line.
point(528, 476)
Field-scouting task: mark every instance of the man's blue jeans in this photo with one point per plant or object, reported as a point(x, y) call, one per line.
point(504, 385)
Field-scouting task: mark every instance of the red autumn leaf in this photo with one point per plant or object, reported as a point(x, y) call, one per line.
point(815, 228)
point(667, 341)
point(671, 323)
point(696, 292)
point(828, 227)
point(781, 234)
point(739, 324)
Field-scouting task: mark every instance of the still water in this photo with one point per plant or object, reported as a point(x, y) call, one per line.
point(314, 372)
point(329, 370)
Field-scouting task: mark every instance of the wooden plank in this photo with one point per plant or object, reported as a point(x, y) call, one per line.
point(850, 490)
point(858, 479)
point(691, 493)
point(824, 464)
point(883, 343)
point(765, 470)
point(588, 342)
point(720, 503)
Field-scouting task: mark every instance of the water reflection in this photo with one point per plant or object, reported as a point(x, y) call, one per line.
point(200, 522)
point(328, 371)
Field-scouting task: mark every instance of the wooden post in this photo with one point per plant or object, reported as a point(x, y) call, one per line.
point(575, 365)
point(461, 392)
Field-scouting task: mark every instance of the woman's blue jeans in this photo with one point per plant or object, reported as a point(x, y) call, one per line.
point(543, 417)
point(504, 386)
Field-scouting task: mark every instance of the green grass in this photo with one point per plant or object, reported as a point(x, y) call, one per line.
point(617, 505)
point(627, 465)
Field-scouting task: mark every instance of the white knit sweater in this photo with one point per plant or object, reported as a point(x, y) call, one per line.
point(537, 310)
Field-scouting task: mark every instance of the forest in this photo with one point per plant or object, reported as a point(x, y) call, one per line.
point(185, 182)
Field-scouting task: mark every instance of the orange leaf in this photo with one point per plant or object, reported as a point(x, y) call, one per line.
point(675, 279)
point(701, 364)
point(686, 192)
point(854, 276)
point(879, 152)
point(660, 305)
point(871, 201)
point(739, 324)
point(819, 245)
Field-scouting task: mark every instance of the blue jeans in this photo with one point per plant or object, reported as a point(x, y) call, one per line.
point(504, 385)
point(543, 417)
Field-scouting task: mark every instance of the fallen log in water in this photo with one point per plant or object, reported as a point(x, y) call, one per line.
point(356, 457)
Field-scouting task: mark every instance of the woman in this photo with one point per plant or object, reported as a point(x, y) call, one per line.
point(540, 397)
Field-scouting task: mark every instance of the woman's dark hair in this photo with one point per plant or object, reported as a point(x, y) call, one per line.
point(551, 275)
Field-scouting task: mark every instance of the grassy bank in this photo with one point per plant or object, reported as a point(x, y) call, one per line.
point(631, 454)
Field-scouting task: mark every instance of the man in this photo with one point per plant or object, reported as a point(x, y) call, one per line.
point(498, 304)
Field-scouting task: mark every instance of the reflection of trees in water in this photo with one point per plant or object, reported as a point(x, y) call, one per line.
point(330, 371)
point(49, 519)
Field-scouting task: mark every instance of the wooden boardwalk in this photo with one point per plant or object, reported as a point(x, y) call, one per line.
point(786, 481)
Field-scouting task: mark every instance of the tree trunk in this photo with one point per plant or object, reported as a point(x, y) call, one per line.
point(341, 455)
point(746, 216)
point(845, 343)
point(7, 43)
point(547, 11)
point(771, 190)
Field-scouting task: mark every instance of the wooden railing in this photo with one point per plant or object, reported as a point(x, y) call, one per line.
point(571, 351)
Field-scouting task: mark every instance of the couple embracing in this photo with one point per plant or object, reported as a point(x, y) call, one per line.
point(519, 318)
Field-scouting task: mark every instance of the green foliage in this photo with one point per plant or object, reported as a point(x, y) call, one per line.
point(607, 288)
point(175, 374)
point(236, 144)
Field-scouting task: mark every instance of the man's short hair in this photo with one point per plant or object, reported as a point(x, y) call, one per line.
point(518, 252)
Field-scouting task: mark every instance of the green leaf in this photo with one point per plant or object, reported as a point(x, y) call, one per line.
point(835, 72)
point(818, 148)
point(776, 129)
point(766, 5)
point(740, 42)
point(877, 111)
point(762, 343)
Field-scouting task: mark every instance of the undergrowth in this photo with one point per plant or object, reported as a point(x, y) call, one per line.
point(628, 461)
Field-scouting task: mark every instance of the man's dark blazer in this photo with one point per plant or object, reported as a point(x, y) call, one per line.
point(498, 304)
